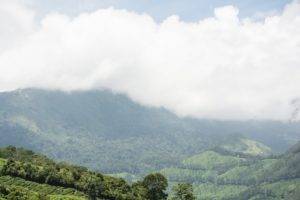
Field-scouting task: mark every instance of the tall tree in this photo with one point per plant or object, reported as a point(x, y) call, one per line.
point(156, 185)
point(94, 186)
point(183, 191)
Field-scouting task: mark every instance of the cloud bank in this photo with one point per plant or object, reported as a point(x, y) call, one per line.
point(222, 67)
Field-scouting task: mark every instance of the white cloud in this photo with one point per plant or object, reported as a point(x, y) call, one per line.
point(221, 67)
point(15, 23)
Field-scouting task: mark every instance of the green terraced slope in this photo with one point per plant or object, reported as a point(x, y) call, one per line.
point(54, 192)
point(217, 176)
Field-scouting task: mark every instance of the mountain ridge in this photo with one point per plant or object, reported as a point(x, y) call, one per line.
point(131, 137)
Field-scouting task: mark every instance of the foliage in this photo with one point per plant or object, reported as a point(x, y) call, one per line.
point(133, 140)
point(183, 191)
point(270, 177)
point(214, 191)
point(156, 185)
point(25, 174)
point(211, 160)
point(130, 137)
point(189, 175)
point(41, 177)
point(12, 182)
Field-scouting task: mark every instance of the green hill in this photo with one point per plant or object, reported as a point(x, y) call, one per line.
point(210, 160)
point(109, 132)
point(243, 145)
point(26, 175)
point(225, 175)
point(36, 190)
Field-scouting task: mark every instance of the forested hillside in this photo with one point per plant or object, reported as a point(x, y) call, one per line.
point(221, 174)
point(214, 174)
point(26, 175)
point(109, 132)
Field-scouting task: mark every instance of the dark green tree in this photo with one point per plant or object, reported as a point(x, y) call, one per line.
point(52, 177)
point(3, 191)
point(183, 191)
point(94, 186)
point(156, 185)
point(139, 191)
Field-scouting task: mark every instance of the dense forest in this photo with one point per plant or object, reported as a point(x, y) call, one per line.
point(111, 133)
point(214, 174)
point(26, 175)
point(108, 133)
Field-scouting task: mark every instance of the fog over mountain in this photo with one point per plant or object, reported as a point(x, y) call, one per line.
point(221, 67)
point(150, 100)
point(111, 133)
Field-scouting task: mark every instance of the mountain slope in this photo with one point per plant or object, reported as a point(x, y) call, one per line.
point(27, 175)
point(107, 128)
point(108, 131)
point(223, 175)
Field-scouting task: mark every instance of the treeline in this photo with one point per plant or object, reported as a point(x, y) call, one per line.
point(32, 167)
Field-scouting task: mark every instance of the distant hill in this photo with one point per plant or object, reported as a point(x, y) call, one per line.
point(225, 175)
point(111, 133)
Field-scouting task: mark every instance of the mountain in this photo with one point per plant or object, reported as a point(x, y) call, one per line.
point(110, 132)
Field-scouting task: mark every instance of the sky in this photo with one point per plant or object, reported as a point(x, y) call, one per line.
point(207, 59)
point(187, 10)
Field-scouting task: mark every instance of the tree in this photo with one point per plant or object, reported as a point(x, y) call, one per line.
point(52, 177)
point(29, 171)
point(3, 190)
point(139, 191)
point(183, 191)
point(94, 186)
point(156, 185)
